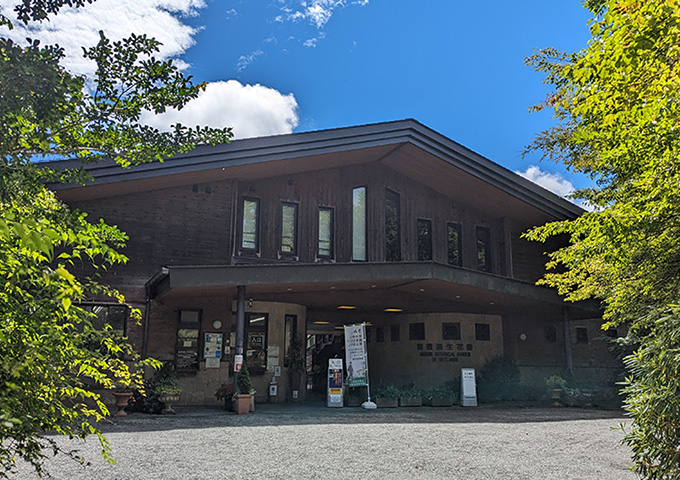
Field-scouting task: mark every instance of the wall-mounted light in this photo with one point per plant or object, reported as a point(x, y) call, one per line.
point(393, 310)
point(250, 303)
point(217, 324)
point(346, 307)
point(321, 323)
point(522, 336)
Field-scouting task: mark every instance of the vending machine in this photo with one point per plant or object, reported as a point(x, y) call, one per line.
point(335, 388)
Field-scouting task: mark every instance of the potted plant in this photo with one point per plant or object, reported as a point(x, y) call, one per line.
point(296, 366)
point(386, 396)
point(355, 396)
point(444, 396)
point(410, 397)
point(168, 389)
point(244, 397)
point(555, 385)
point(226, 392)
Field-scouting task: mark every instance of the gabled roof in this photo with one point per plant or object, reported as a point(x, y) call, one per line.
point(322, 149)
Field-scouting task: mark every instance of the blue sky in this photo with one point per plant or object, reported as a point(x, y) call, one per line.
point(289, 65)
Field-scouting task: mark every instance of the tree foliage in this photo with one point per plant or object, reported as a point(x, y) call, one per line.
point(52, 358)
point(617, 105)
point(653, 398)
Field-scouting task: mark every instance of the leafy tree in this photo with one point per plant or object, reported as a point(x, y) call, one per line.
point(51, 357)
point(617, 105)
point(653, 397)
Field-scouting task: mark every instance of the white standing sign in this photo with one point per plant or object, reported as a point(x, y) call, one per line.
point(468, 388)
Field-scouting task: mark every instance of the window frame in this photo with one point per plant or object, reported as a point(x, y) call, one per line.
point(394, 245)
point(192, 350)
point(257, 224)
point(456, 335)
point(354, 257)
point(90, 306)
point(459, 244)
point(412, 331)
point(485, 241)
point(261, 368)
point(295, 208)
point(429, 239)
point(331, 240)
point(395, 328)
point(480, 329)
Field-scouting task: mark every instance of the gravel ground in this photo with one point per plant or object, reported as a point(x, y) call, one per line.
point(313, 442)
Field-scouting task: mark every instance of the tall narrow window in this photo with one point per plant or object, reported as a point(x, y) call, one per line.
point(251, 220)
point(454, 244)
point(256, 342)
point(484, 249)
point(289, 332)
point(359, 224)
point(289, 228)
point(325, 232)
point(392, 227)
point(424, 240)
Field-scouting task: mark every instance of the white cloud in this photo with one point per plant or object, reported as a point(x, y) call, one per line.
point(245, 60)
point(316, 12)
point(553, 182)
point(253, 110)
point(74, 28)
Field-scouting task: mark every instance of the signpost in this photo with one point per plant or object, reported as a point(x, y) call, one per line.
point(356, 359)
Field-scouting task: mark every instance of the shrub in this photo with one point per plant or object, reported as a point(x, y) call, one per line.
point(499, 379)
point(652, 392)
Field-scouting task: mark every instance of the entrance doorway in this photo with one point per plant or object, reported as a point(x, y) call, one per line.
point(320, 347)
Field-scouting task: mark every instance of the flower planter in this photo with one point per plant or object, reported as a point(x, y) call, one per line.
point(410, 401)
point(168, 399)
point(439, 401)
point(122, 399)
point(386, 402)
point(242, 403)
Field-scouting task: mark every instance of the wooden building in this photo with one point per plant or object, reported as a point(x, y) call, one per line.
point(391, 224)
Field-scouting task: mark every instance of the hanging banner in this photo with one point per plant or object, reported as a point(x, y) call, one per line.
point(355, 355)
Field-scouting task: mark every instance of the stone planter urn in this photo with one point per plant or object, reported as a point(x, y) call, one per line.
point(168, 399)
point(122, 399)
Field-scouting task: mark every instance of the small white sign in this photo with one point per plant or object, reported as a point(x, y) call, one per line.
point(238, 362)
point(468, 388)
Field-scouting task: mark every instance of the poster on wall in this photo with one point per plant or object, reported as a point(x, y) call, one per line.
point(355, 355)
point(212, 346)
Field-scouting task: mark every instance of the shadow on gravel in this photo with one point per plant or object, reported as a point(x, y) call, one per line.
point(267, 415)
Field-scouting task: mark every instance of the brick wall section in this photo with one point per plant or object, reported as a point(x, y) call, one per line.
point(187, 225)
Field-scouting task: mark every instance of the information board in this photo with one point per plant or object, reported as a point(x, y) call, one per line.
point(335, 390)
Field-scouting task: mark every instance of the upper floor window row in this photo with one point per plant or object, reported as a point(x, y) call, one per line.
point(288, 238)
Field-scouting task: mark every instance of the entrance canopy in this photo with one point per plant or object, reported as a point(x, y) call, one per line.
point(366, 287)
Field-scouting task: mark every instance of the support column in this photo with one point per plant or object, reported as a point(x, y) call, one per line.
point(240, 321)
point(566, 327)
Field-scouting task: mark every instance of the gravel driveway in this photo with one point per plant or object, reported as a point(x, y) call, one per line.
point(313, 442)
